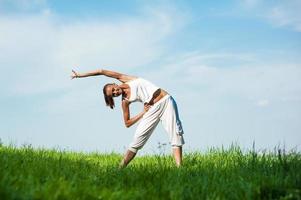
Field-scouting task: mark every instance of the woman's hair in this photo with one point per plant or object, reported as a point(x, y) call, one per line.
point(109, 100)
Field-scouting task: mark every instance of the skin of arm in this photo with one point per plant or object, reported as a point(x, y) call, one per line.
point(119, 76)
point(126, 114)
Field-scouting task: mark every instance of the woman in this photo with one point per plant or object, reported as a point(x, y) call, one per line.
point(158, 106)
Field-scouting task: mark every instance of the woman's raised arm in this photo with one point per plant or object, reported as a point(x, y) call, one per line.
point(121, 77)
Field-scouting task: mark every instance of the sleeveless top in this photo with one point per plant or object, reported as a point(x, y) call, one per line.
point(141, 90)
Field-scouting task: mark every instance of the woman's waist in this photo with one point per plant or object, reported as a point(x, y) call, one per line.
point(161, 94)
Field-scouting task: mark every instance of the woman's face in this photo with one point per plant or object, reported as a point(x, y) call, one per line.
point(113, 90)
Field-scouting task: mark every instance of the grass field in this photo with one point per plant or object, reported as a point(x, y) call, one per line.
point(28, 173)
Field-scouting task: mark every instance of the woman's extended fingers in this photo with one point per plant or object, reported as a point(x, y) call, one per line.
point(74, 75)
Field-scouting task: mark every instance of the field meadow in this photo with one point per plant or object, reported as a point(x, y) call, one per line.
point(218, 173)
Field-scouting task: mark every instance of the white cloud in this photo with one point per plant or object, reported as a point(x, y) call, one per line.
point(40, 51)
point(281, 13)
point(263, 103)
point(246, 78)
point(250, 3)
point(286, 15)
point(46, 12)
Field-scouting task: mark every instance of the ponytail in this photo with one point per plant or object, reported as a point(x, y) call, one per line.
point(109, 100)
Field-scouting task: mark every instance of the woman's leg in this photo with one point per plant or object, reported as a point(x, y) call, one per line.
point(172, 124)
point(144, 130)
point(177, 152)
point(129, 155)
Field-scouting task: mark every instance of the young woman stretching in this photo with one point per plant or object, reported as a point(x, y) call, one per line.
point(158, 106)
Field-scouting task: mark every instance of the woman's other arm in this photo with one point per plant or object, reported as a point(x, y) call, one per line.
point(119, 76)
point(126, 114)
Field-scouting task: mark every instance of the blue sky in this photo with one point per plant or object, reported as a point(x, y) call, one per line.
point(234, 68)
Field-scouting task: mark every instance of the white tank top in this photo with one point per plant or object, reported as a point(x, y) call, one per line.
point(141, 90)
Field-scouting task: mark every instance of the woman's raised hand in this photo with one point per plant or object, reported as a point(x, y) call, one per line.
point(74, 74)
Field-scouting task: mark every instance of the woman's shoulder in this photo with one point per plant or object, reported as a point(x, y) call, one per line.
point(126, 78)
point(132, 78)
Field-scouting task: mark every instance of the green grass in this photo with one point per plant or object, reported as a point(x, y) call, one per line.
point(28, 173)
